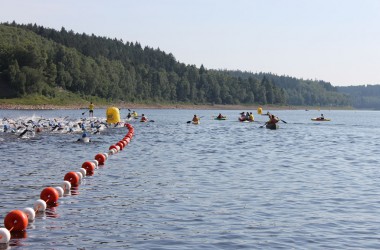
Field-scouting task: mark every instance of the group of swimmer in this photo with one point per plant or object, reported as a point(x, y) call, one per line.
point(29, 128)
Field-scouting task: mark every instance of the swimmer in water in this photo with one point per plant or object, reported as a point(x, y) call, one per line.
point(84, 138)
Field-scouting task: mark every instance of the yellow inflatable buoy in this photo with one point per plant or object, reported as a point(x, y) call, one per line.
point(259, 110)
point(113, 115)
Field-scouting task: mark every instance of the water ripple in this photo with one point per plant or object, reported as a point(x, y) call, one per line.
point(218, 185)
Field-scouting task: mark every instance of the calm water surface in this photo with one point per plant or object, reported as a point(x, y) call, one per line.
point(217, 185)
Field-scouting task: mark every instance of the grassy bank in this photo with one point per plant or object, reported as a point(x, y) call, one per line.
point(68, 100)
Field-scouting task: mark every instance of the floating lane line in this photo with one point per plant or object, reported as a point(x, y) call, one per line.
point(16, 221)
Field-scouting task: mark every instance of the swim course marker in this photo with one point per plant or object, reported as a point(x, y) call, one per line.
point(16, 221)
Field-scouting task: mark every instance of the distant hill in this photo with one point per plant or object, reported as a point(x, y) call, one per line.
point(39, 60)
point(363, 97)
point(301, 92)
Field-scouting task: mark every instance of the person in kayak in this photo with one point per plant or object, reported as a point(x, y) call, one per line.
point(242, 117)
point(220, 116)
point(143, 118)
point(195, 119)
point(322, 117)
point(251, 118)
point(272, 119)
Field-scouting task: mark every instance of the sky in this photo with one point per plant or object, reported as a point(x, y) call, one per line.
point(337, 41)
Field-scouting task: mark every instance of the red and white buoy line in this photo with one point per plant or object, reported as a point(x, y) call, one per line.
point(16, 221)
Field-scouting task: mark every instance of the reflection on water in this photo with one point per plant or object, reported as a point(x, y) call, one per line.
point(220, 184)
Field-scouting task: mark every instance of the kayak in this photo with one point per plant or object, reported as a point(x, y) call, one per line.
point(272, 126)
point(245, 120)
point(196, 123)
point(221, 119)
point(318, 119)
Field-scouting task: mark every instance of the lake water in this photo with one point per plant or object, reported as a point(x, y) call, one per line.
point(217, 185)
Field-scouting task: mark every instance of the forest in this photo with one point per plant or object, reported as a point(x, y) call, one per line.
point(43, 61)
point(363, 96)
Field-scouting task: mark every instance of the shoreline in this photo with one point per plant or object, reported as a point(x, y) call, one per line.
point(167, 106)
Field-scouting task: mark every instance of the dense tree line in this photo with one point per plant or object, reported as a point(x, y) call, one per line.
point(302, 92)
point(34, 59)
point(364, 97)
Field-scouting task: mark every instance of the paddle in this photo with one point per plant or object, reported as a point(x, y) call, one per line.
point(263, 125)
point(84, 112)
point(283, 121)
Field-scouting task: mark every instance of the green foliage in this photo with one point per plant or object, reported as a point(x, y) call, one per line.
point(364, 97)
point(39, 61)
point(293, 91)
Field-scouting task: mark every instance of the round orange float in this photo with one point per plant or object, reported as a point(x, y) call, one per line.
point(121, 145)
point(101, 158)
point(50, 195)
point(89, 166)
point(117, 148)
point(16, 220)
point(73, 178)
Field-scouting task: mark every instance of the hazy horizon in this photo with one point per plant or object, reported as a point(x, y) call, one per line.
point(333, 41)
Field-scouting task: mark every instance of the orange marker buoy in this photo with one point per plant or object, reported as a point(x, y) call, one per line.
point(121, 145)
point(100, 158)
point(117, 148)
point(89, 166)
point(73, 178)
point(49, 195)
point(16, 220)
point(125, 143)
